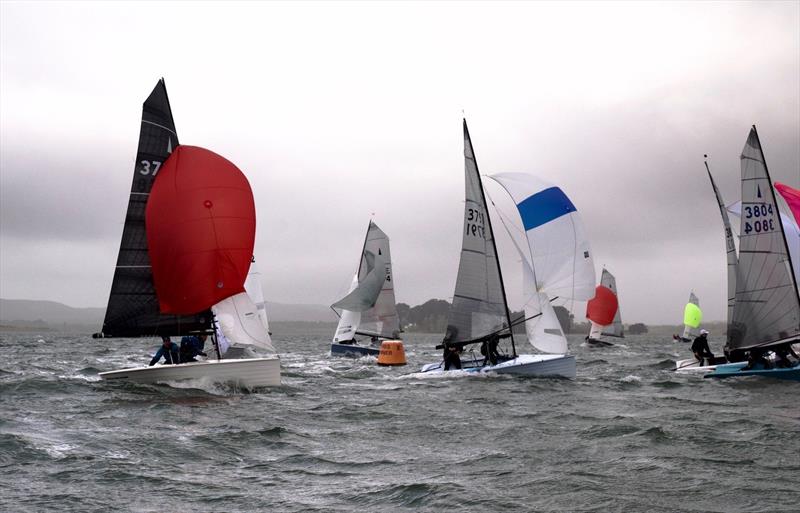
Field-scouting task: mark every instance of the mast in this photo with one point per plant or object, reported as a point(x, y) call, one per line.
point(494, 244)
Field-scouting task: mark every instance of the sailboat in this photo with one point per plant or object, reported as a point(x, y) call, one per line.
point(604, 313)
point(369, 307)
point(692, 314)
point(186, 251)
point(692, 318)
point(766, 309)
point(557, 263)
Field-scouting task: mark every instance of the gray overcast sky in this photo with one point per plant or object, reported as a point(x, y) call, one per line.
point(335, 111)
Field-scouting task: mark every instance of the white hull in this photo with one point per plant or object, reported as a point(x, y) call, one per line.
point(691, 366)
point(247, 373)
point(537, 365)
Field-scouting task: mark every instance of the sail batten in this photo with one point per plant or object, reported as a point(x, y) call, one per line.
point(766, 309)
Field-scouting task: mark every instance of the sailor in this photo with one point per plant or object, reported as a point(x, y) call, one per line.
point(756, 359)
point(451, 356)
point(191, 347)
point(489, 349)
point(701, 350)
point(169, 350)
point(782, 356)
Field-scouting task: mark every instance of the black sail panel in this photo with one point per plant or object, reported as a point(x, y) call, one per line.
point(479, 304)
point(132, 309)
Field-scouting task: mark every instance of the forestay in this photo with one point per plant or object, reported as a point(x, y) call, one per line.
point(133, 308)
point(479, 304)
point(767, 307)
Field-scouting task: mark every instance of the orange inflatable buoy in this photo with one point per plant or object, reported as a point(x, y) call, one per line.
point(392, 353)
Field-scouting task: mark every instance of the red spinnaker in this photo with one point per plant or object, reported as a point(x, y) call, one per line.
point(201, 227)
point(602, 307)
point(792, 197)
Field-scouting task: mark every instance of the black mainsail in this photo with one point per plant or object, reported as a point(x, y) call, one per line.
point(479, 306)
point(133, 309)
point(766, 311)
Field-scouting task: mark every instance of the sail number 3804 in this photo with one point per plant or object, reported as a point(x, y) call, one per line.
point(758, 219)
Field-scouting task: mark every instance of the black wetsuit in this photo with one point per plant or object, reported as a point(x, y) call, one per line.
point(489, 350)
point(451, 358)
point(701, 350)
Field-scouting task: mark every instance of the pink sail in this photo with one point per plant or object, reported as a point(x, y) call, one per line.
point(792, 197)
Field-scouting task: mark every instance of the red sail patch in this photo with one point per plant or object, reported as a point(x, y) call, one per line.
point(602, 307)
point(201, 226)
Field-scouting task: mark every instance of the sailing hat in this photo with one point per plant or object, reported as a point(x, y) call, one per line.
point(704, 332)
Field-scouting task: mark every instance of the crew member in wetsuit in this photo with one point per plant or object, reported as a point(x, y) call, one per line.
point(169, 350)
point(489, 349)
point(782, 354)
point(451, 356)
point(192, 346)
point(701, 350)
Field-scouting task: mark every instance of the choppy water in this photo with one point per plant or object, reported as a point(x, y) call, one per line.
point(344, 435)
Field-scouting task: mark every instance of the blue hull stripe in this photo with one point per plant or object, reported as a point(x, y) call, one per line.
point(543, 207)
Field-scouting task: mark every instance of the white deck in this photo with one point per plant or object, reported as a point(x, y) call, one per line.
point(248, 373)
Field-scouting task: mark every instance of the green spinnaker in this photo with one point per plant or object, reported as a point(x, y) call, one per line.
point(692, 315)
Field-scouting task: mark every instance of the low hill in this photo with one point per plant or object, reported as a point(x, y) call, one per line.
point(44, 315)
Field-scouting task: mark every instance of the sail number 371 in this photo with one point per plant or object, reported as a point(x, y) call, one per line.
point(760, 219)
point(474, 224)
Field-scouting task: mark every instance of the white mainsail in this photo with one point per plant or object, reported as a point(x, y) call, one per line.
point(615, 329)
point(767, 307)
point(369, 307)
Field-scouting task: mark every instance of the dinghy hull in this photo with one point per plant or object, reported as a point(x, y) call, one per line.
point(735, 370)
point(538, 365)
point(594, 342)
point(247, 373)
point(353, 351)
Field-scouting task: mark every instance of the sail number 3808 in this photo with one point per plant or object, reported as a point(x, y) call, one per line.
point(761, 219)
